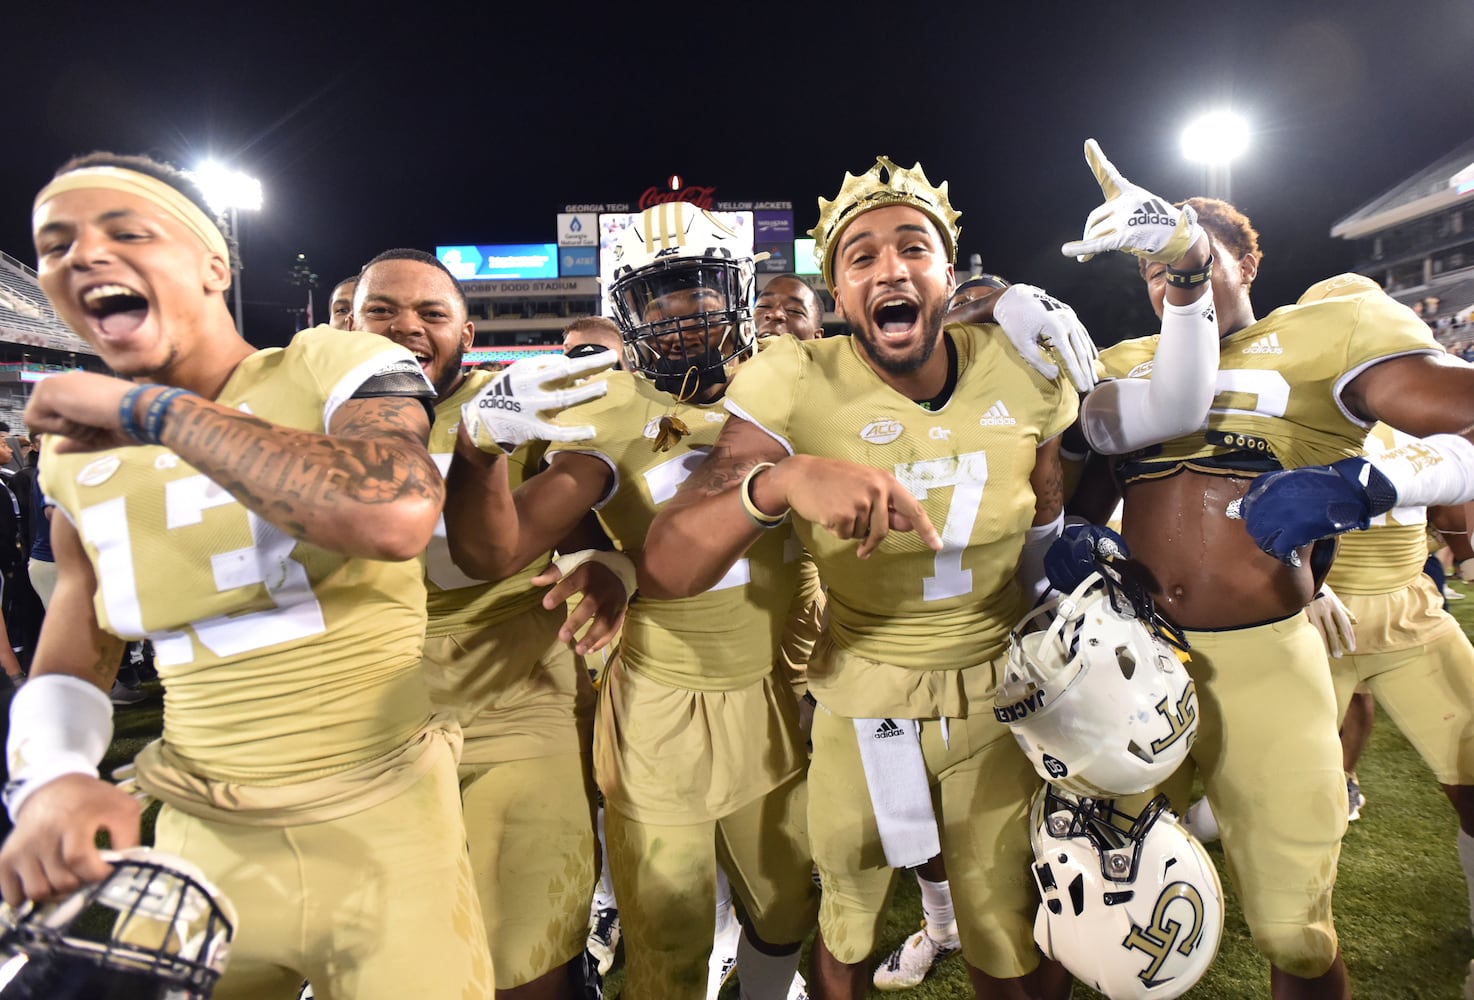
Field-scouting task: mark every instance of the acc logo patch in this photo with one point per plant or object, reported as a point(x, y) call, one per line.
point(1145, 368)
point(881, 431)
point(98, 472)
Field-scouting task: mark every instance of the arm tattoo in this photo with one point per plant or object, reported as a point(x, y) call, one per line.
point(719, 473)
point(1049, 490)
point(374, 455)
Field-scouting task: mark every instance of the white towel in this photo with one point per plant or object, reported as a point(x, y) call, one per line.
point(890, 752)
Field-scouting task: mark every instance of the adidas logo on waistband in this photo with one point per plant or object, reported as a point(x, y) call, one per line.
point(1265, 345)
point(887, 729)
point(997, 416)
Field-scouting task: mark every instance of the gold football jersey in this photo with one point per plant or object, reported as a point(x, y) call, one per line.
point(728, 637)
point(281, 661)
point(968, 463)
point(493, 660)
point(1390, 554)
point(455, 599)
point(1280, 382)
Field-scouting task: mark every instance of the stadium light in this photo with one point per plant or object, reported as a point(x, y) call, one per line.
point(228, 191)
point(1216, 140)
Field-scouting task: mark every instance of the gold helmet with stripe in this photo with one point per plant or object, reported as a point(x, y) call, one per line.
point(682, 295)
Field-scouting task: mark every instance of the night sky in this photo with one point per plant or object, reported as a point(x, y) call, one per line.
point(476, 124)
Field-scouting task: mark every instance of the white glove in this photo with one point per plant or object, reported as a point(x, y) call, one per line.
point(1332, 621)
point(1031, 317)
point(513, 407)
point(1132, 219)
point(1465, 570)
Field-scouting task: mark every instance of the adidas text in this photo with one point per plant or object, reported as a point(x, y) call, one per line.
point(887, 729)
point(500, 403)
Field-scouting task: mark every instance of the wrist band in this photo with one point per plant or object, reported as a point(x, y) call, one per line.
point(127, 421)
point(1190, 279)
point(59, 725)
point(755, 515)
point(153, 417)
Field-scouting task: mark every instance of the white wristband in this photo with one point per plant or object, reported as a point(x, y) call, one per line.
point(58, 725)
point(1037, 541)
point(1435, 471)
point(616, 562)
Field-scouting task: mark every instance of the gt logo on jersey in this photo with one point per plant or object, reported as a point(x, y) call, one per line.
point(1163, 935)
point(939, 433)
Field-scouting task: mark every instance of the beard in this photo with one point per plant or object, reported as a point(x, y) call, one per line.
point(904, 364)
point(449, 374)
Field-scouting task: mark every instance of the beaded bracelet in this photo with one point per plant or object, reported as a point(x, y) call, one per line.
point(1190, 279)
point(755, 515)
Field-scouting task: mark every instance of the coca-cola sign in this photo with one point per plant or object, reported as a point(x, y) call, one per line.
point(701, 197)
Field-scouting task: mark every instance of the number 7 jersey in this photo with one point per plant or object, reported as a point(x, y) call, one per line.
point(307, 657)
point(968, 463)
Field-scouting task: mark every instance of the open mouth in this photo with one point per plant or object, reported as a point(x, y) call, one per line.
point(117, 309)
point(896, 317)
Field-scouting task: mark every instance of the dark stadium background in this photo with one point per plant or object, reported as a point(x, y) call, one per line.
point(373, 126)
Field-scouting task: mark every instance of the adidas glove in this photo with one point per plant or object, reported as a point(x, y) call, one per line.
point(1285, 510)
point(1030, 318)
point(514, 407)
point(1074, 556)
point(1132, 219)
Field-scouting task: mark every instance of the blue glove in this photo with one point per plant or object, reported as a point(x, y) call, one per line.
point(1074, 555)
point(1285, 510)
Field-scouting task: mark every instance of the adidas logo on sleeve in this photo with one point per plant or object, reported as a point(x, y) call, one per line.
point(1269, 344)
point(997, 416)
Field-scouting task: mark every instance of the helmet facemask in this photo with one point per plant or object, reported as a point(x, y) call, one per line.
point(684, 319)
point(154, 929)
point(1130, 904)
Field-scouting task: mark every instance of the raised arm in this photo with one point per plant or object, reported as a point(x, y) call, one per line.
point(494, 532)
point(365, 488)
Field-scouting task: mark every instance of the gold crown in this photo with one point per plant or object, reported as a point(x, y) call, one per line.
point(883, 184)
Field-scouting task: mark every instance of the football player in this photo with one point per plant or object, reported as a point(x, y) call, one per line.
point(864, 443)
point(1400, 644)
point(494, 658)
point(1299, 387)
point(696, 747)
point(257, 515)
point(787, 305)
point(340, 304)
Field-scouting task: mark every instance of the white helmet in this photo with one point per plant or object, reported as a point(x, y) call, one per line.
point(154, 928)
point(1098, 700)
point(682, 295)
point(1131, 905)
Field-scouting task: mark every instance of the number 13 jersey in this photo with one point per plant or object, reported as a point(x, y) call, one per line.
point(281, 661)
